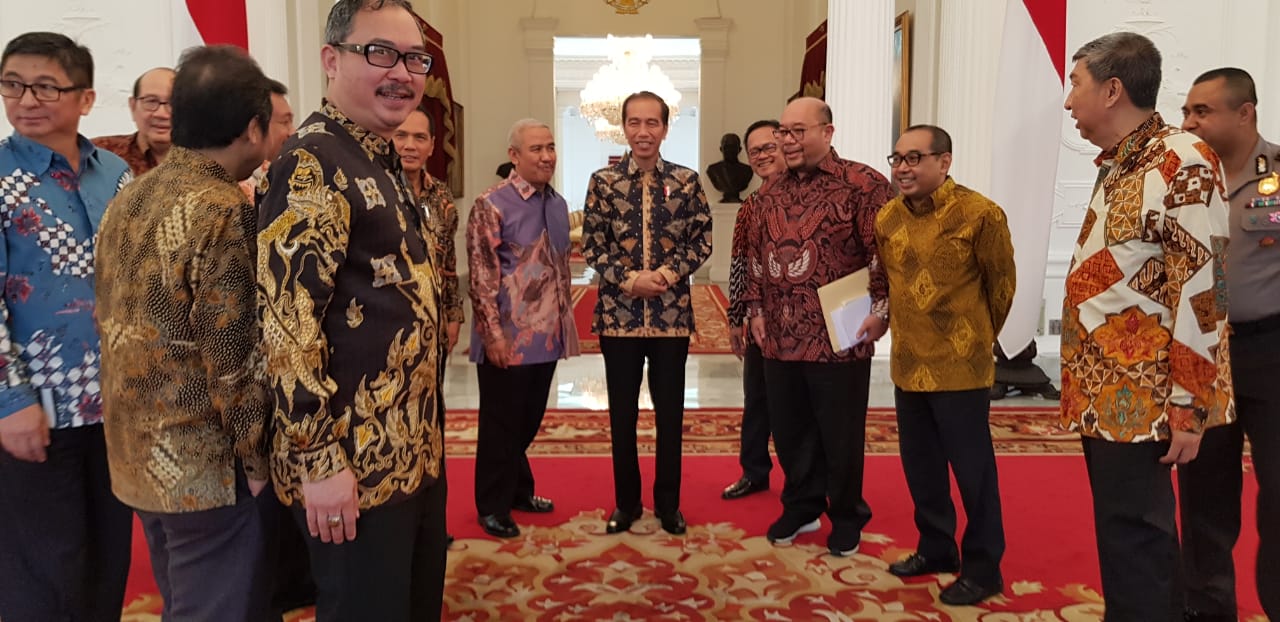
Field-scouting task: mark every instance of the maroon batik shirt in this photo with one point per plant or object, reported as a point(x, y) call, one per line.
point(810, 229)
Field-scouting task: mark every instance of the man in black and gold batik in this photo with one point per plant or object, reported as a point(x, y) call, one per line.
point(350, 303)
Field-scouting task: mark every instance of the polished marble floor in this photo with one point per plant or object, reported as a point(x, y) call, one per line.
point(711, 380)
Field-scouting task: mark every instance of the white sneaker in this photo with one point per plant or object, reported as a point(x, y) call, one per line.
point(808, 527)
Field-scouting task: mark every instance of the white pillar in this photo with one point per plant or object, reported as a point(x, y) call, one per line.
point(967, 70)
point(267, 20)
point(860, 79)
point(539, 54)
point(713, 33)
point(305, 78)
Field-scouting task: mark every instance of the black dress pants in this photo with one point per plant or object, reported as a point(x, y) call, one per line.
point(1210, 486)
point(818, 413)
point(393, 571)
point(624, 364)
point(754, 455)
point(65, 539)
point(951, 428)
point(1134, 519)
point(512, 404)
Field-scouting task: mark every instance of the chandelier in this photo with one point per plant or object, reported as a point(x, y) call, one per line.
point(626, 7)
point(628, 71)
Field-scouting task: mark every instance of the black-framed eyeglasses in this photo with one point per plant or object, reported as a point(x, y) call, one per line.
point(765, 149)
point(152, 103)
point(14, 89)
point(796, 132)
point(912, 158)
point(386, 57)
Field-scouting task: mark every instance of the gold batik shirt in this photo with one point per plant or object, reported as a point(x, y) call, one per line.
point(951, 283)
point(178, 323)
point(351, 315)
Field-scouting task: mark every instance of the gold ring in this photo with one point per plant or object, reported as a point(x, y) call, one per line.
point(335, 520)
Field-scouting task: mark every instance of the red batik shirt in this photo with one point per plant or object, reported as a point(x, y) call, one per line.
point(810, 229)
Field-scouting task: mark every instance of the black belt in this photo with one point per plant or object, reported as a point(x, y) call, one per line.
point(1256, 327)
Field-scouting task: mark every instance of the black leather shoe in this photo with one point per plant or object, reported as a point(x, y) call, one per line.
point(673, 523)
point(621, 521)
point(742, 488)
point(535, 504)
point(915, 565)
point(499, 526)
point(966, 591)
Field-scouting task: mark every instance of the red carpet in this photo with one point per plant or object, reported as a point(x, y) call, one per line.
point(563, 567)
point(710, 311)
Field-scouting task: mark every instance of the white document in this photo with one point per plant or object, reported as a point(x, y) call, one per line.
point(848, 318)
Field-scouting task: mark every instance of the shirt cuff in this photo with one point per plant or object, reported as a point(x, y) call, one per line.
point(320, 463)
point(669, 274)
point(629, 281)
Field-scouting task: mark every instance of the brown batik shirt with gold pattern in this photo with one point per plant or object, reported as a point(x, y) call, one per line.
point(351, 315)
point(177, 315)
point(442, 218)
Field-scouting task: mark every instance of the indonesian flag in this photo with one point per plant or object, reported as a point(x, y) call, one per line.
point(208, 22)
point(1024, 161)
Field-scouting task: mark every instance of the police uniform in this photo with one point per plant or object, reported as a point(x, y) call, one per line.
point(1211, 484)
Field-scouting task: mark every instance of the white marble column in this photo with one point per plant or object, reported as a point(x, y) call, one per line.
point(267, 20)
point(860, 79)
point(714, 35)
point(305, 77)
point(539, 54)
point(969, 58)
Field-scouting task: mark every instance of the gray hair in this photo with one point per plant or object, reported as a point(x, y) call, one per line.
point(343, 13)
point(1129, 57)
point(515, 138)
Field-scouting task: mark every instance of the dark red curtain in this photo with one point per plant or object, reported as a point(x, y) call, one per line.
point(813, 70)
point(437, 100)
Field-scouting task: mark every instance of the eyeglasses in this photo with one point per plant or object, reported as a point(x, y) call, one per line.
point(42, 92)
point(912, 158)
point(796, 132)
point(765, 149)
point(386, 57)
point(151, 103)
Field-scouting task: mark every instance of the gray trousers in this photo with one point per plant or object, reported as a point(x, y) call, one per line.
point(209, 565)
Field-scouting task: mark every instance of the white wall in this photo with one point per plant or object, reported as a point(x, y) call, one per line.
point(128, 37)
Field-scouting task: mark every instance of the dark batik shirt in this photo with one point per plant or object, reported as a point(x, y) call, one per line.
point(351, 315)
point(442, 218)
point(645, 220)
point(742, 226)
point(812, 229)
point(178, 318)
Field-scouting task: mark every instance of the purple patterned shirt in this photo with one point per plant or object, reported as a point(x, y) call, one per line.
point(518, 252)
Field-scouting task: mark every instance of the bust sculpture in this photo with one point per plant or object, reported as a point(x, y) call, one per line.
point(730, 176)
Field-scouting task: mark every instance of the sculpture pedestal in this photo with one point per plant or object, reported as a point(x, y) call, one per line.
point(723, 215)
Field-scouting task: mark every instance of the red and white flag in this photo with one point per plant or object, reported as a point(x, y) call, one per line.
point(1024, 161)
point(208, 22)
